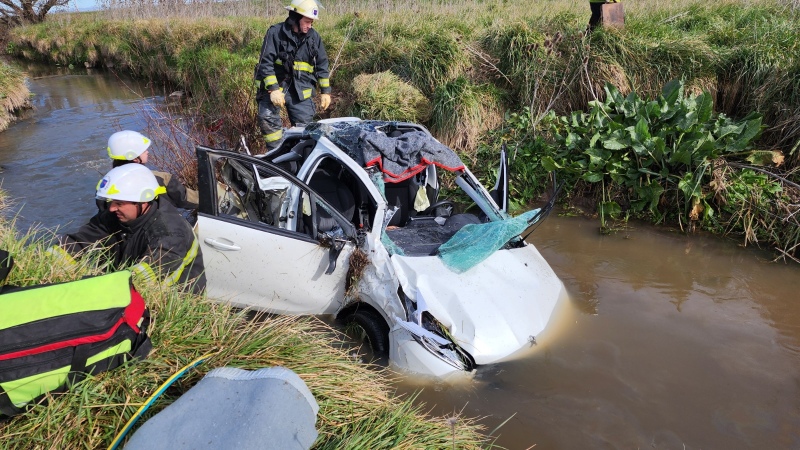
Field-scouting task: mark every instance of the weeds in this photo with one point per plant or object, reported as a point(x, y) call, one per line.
point(356, 409)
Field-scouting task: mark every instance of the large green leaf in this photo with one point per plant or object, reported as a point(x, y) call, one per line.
point(705, 106)
point(550, 164)
point(688, 121)
point(614, 144)
point(672, 91)
point(689, 185)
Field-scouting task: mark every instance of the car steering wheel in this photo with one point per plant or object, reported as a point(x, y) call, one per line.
point(439, 204)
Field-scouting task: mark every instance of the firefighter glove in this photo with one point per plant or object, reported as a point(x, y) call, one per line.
point(277, 98)
point(324, 101)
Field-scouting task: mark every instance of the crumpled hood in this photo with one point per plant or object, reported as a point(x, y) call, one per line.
point(491, 310)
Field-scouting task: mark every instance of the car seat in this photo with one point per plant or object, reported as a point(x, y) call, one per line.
point(402, 196)
point(337, 194)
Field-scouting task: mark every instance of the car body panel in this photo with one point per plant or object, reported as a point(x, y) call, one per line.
point(269, 271)
point(491, 310)
point(253, 264)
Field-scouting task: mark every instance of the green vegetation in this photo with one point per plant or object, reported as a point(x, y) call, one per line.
point(384, 96)
point(357, 409)
point(477, 63)
point(669, 160)
point(13, 94)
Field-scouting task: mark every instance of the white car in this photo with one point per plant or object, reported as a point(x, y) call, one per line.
point(345, 218)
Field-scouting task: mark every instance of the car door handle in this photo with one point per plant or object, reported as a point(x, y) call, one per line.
point(221, 245)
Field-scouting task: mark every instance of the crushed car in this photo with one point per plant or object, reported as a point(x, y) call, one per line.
point(345, 218)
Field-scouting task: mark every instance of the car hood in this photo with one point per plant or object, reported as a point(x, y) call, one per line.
point(491, 310)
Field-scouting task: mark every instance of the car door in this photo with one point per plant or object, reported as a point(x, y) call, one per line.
point(262, 246)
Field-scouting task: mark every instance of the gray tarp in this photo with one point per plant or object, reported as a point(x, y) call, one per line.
point(399, 157)
point(235, 409)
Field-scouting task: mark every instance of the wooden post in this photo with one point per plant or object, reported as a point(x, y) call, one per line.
point(613, 15)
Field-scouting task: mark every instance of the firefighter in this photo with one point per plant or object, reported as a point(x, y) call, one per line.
point(292, 65)
point(138, 227)
point(128, 146)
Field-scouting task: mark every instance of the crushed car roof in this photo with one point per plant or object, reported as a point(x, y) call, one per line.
point(401, 150)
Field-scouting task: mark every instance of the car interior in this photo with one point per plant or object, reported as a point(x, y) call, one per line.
point(415, 232)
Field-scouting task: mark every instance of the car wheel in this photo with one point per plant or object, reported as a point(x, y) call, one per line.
point(375, 329)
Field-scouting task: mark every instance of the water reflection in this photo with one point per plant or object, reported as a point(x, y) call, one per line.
point(52, 159)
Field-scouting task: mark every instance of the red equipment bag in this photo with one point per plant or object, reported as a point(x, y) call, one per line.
point(51, 336)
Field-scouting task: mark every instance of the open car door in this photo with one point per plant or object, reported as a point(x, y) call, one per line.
point(269, 241)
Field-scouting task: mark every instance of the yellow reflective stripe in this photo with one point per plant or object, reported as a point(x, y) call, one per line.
point(161, 190)
point(23, 390)
point(304, 66)
point(188, 259)
point(110, 155)
point(122, 347)
point(272, 79)
point(324, 82)
point(144, 270)
point(306, 93)
point(272, 137)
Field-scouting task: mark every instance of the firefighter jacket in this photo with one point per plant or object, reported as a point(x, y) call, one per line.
point(160, 243)
point(293, 62)
point(177, 193)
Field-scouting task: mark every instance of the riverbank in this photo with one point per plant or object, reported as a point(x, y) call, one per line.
point(503, 69)
point(357, 409)
point(473, 63)
point(14, 94)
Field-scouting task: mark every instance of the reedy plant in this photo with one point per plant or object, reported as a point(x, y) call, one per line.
point(357, 409)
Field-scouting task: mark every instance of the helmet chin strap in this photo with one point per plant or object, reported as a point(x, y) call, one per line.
point(141, 208)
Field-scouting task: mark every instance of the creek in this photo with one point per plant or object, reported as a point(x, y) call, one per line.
point(668, 341)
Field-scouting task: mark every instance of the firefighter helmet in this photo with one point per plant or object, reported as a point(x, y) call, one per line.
point(307, 8)
point(127, 145)
point(131, 182)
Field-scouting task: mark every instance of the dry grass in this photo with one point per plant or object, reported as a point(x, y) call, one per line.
point(357, 409)
point(384, 96)
point(14, 94)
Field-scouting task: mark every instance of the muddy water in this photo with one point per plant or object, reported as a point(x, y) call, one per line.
point(668, 341)
point(52, 159)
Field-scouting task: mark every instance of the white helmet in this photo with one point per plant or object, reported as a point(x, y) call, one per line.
point(131, 183)
point(307, 8)
point(127, 145)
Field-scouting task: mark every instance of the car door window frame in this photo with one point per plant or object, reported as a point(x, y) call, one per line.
point(209, 205)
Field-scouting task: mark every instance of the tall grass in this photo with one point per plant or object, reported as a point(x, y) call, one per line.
point(499, 55)
point(357, 410)
point(14, 94)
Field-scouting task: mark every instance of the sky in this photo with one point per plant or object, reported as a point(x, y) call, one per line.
point(82, 5)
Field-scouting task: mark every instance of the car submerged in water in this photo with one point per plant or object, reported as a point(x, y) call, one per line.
point(344, 218)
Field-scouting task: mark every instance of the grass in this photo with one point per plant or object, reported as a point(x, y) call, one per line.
point(384, 96)
point(479, 66)
point(14, 94)
point(472, 61)
point(357, 409)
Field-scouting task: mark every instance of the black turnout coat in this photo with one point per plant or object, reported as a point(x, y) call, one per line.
point(160, 244)
point(293, 62)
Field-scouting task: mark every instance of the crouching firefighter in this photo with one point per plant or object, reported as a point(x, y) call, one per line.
point(292, 64)
point(138, 227)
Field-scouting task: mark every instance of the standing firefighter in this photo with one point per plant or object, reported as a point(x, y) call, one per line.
point(292, 63)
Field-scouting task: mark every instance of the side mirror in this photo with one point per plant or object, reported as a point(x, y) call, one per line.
point(500, 191)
